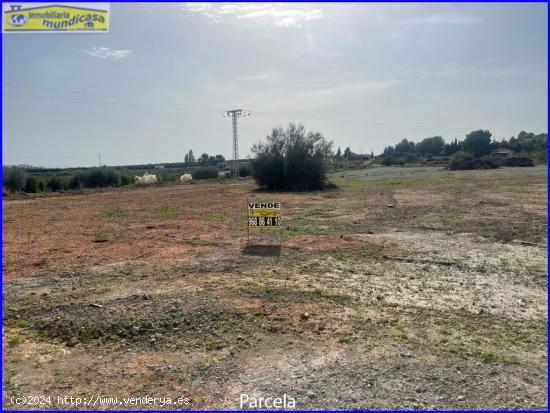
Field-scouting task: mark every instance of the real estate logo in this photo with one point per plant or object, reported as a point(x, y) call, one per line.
point(55, 18)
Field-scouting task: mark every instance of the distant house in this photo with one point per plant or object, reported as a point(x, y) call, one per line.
point(159, 166)
point(502, 153)
point(358, 157)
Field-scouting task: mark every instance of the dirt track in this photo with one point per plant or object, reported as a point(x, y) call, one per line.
point(408, 288)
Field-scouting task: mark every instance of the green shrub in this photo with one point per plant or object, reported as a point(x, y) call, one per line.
point(291, 160)
point(244, 171)
point(99, 177)
point(389, 160)
point(207, 172)
point(54, 183)
point(518, 161)
point(74, 183)
point(125, 180)
point(41, 185)
point(13, 178)
point(465, 161)
point(31, 185)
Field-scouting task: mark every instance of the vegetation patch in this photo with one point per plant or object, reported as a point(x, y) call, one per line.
point(105, 236)
point(198, 242)
point(166, 211)
point(215, 217)
point(289, 294)
point(116, 213)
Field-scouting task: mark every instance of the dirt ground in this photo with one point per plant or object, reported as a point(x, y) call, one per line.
point(405, 288)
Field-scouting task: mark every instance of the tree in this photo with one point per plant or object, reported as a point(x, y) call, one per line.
point(99, 177)
point(451, 148)
point(204, 158)
point(431, 146)
point(404, 147)
point(190, 157)
point(13, 178)
point(478, 142)
point(338, 155)
point(347, 153)
point(54, 183)
point(74, 183)
point(291, 159)
point(220, 158)
point(31, 185)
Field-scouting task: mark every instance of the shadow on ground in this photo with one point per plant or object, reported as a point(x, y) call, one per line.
point(262, 250)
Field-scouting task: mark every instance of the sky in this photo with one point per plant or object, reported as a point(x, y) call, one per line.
point(364, 75)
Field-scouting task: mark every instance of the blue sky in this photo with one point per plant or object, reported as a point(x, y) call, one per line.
point(364, 75)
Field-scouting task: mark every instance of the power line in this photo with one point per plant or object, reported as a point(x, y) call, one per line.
point(178, 107)
point(128, 99)
point(64, 99)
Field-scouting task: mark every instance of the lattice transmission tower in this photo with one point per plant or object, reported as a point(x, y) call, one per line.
point(235, 114)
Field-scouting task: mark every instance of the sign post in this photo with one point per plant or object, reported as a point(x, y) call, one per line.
point(264, 215)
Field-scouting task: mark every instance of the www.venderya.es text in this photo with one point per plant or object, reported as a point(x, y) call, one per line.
point(98, 400)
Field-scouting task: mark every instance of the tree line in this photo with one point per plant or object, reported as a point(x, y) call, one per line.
point(477, 143)
point(204, 159)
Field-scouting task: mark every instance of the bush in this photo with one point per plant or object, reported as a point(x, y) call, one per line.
point(244, 171)
point(291, 160)
point(41, 186)
point(31, 185)
point(13, 178)
point(519, 161)
point(74, 183)
point(465, 161)
point(389, 160)
point(207, 172)
point(54, 183)
point(99, 177)
point(125, 180)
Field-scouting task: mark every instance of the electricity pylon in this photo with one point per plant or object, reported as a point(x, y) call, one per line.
point(234, 114)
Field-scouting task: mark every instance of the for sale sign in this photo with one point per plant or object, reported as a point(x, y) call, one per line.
point(264, 214)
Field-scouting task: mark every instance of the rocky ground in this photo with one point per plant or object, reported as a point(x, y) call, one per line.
point(405, 288)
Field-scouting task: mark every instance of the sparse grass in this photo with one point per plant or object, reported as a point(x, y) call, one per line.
point(536, 272)
point(344, 339)
point(37, 364)
point(15, 340)
point(361, 296)
point(105, 236)
point(402, 335)
point(297, 230)
point(198, 241)
point(115, 213)
point(167, 211)
point(463, 352)
point(89, 332)
point(215, 217)
point(20, 323)
point(277, 293)
point(211, 345)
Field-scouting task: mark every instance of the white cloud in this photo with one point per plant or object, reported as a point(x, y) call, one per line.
point(107, 53)
point(279, 14)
